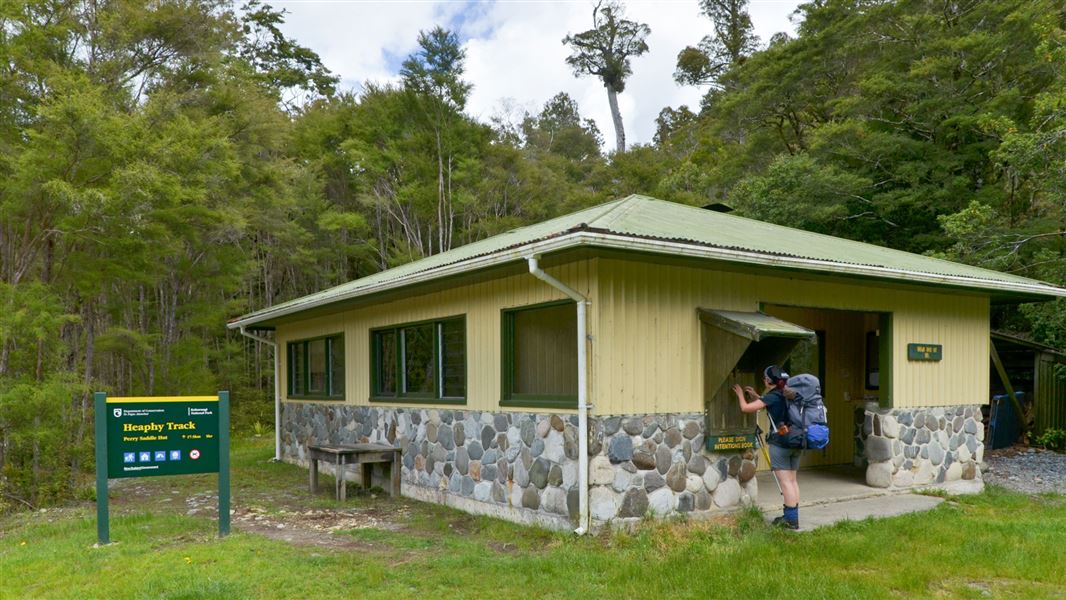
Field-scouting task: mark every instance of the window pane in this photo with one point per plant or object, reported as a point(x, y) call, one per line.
point(419, 371)
point(336, 369)
point(316, 358)
point(297, 368)
point(453, 358)
point(385, 342)
point(545, 351)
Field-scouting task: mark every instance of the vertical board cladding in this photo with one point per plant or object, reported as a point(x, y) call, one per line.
point(1050, 394)
point(647, 354)
point(480, 302)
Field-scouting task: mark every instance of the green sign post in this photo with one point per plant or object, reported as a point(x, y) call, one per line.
point(156, 435)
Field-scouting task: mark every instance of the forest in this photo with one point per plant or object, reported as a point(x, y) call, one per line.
point(166, 166)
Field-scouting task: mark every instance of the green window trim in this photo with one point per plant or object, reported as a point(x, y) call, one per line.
point(440, 373)
point(508, 397)
point(299, 351)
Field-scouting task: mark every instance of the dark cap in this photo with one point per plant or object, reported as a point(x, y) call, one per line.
point(774, 373)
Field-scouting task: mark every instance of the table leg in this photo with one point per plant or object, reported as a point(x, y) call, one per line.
point(394, 473)
point(314, 475)
point(367, 472)
point(342, 490)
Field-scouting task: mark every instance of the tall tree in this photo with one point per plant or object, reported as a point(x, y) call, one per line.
point(434, 77)
point(605, 52)
point(733, 40)
point(292, 70)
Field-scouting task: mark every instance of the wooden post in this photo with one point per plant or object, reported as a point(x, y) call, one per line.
point(394, 475)
point(367, 473)
point(1010, 389)
point(342, 490)
point(223, 464)
point(103, 519)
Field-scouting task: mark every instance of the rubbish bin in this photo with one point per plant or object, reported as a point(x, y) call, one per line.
point(1004, 424)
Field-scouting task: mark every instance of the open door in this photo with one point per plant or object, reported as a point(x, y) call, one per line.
point(736, 347)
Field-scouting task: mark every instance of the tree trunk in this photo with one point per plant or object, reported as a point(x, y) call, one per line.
point(619, 131)
point(441, 197)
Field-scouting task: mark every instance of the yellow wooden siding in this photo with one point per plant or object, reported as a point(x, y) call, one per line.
point(481, 303)
point(647, 355)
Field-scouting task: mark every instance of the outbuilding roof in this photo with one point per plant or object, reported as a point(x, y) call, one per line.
point(643, 224)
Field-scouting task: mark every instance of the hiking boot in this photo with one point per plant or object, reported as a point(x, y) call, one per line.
point(784, 523)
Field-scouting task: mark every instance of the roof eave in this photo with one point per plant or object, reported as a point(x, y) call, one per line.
point(1032, 292)
point(584, 237)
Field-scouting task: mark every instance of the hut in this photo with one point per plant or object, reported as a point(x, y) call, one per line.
point(576, 372)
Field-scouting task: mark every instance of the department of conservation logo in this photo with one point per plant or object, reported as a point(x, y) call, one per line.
point(118, 412)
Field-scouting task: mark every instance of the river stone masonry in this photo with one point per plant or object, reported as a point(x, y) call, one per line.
point(923, 446)
point(523, 466)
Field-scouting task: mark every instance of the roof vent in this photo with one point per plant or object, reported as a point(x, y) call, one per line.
point(718, 207)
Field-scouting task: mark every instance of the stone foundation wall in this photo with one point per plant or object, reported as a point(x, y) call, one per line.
point(523, 466)
point(655, 464)
point(923, 446)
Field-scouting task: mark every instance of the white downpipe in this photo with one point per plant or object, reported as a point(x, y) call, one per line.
point(277, 389)
point(582, 391)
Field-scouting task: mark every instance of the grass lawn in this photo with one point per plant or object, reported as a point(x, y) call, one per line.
point(996, 544)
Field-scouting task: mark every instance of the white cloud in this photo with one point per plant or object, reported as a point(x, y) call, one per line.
point(515, 50)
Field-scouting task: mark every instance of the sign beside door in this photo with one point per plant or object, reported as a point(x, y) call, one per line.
point(925, 352)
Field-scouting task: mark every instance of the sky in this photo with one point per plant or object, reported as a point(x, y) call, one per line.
point(515, 57)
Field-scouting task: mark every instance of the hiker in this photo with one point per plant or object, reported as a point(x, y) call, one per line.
point(784, 461)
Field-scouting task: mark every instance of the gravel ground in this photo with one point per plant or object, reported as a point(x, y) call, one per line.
point(1027, 470)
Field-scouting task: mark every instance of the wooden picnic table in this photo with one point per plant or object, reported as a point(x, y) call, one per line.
point(351, 454)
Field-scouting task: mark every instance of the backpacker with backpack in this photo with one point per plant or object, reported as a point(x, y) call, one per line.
point(808, 426)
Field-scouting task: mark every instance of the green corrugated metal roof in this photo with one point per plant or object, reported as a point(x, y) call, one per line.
point(650, 218)
point(643, 218)
point(754, 325)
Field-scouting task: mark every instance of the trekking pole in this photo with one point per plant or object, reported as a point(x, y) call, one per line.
point(766, 453)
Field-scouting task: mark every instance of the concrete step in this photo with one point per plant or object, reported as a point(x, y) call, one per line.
point(813, 517)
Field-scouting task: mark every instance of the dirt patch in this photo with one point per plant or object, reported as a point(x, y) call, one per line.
point(279, 515)
point(993, 587)
point(503, 547)
point(319, 527)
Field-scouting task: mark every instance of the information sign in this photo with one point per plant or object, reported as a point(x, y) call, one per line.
point(148, 436)
point(162, 436)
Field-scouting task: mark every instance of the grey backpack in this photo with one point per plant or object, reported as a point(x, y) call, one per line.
point(808, 419)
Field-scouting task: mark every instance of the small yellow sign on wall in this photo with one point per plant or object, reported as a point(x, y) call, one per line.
point(730, 442)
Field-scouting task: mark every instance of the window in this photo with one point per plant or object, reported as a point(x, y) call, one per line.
point(316, 368)
point(419, 362)
point(540, 356)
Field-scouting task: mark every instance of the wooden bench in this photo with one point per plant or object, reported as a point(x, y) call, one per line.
point(362, 454)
